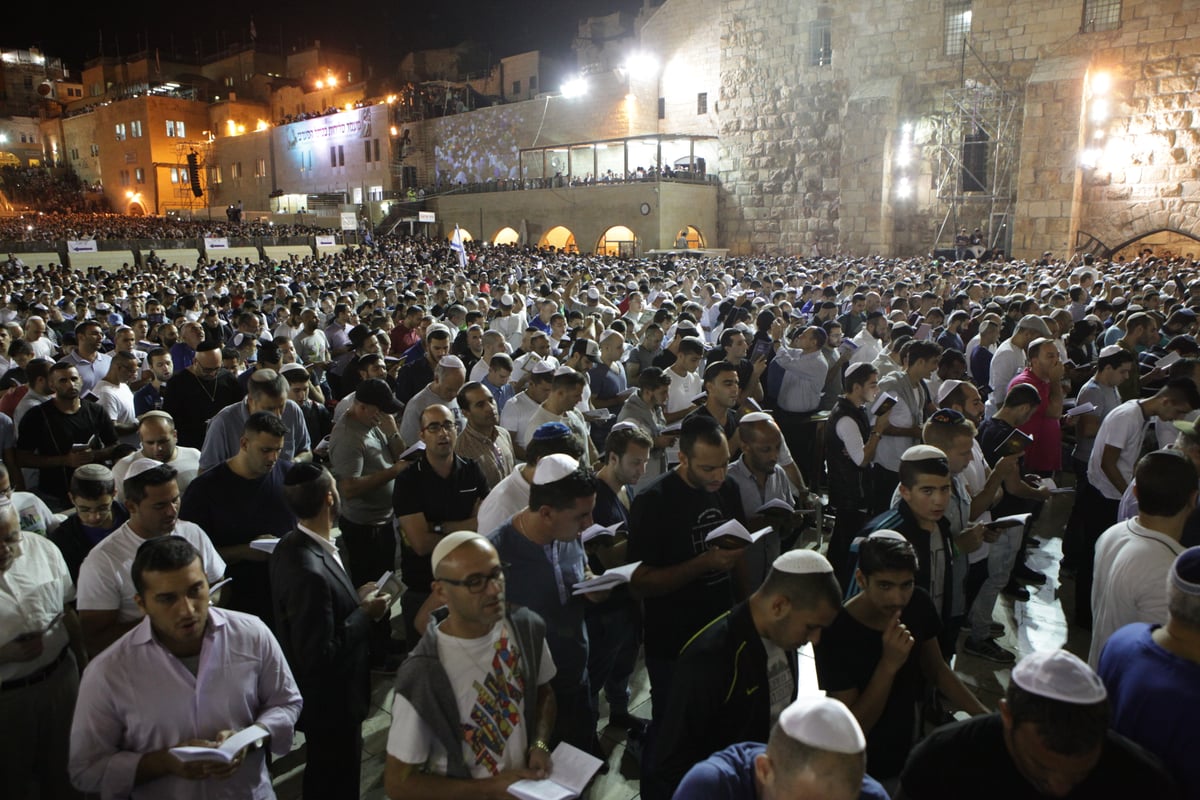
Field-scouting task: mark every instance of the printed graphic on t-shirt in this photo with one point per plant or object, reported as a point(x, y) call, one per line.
point(497, 709)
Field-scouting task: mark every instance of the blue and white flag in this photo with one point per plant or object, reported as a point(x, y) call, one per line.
point(456, 244)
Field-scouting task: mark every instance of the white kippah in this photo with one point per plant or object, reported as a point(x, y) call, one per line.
point(140, 465)
point(506, 299)
point(757, 416)
point(542, 367)
point(554, 468)
point(802, 562)
point(884, 533)
point(451, 362)
point(856, 366)
point(450, 542)
point(625, 424)
point(563, 371)
point(434, 328)
point(1111, 350)
point(922, 452)
point(607, 333)
point(1059, 675)
point(946, 388)
point(823, 723)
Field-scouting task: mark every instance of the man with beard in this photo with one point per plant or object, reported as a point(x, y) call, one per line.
point(197, 394)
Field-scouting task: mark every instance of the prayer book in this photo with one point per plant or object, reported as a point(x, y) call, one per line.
point(611, 578)
point(228, 749)
point(570, 771)
point(733, 535)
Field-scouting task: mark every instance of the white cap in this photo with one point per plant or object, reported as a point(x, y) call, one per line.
point(450, 542)
point(823, 723)
point(451, 362)
point(506, 299)
point(632, 286)
point(140, 465)
point(946, 388)
point(857, 365)
point(541, 367)
point(922, 452)
point(593, 293)
point(436, 326)
point(563, 371)
point(884, 533)
point(625, 424)
point(1061, 676)
point(757, 416)
point(1111, 350)
point(607, 333)
point(802, 562)
point(554, 468)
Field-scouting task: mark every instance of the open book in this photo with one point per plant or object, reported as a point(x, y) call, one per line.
point(413, 453)
point(600, 530)
point(1014, 443)
point(1084, 408)
point(570, 771)
point(883, 404)
point(733, 534)
point(264, 545)
point(612, 577)
point(775, 504)
point(1011, 521)
point(597, 415)
point(228, 749)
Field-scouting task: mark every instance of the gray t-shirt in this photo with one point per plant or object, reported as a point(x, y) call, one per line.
point(1105, 399)
point(354, 451)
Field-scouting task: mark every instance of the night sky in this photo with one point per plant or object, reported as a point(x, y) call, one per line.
point(383, 32)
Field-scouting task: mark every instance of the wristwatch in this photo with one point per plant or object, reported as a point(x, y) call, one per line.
point(538, 744)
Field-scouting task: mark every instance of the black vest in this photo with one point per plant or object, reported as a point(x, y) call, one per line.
point(847, 487)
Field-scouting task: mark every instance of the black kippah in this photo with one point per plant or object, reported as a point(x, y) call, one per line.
point(204, 347)
point(302, 473)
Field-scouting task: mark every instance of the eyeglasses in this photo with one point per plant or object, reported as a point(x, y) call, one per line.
point(440, 427)
point(477, 584)
point(96, 511)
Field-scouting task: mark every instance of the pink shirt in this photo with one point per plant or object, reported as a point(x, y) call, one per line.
point(1045, 454)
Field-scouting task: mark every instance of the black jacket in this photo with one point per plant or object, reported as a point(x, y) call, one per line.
point(847, 480)
point(322, 630)
point(719, 695)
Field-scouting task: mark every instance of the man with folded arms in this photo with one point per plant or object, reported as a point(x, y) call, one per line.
point(473, 710)
point(186, 675)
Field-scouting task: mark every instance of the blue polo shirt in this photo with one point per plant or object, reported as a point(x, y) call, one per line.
point(729, 775)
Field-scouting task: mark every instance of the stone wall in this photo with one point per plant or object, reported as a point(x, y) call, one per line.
point(684, 38)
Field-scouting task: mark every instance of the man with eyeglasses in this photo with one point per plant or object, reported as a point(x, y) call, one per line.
point(97, 514)
point(441, 493)
point(41, 652)
point(324, 625)
point(195, 395)
point(473, 700)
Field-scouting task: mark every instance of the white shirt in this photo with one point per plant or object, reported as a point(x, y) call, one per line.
point(32, 593)
point(186, 464)
point(516, 415)
point(1123, 429)
point(481, 674)
point(105, 582)
point(1132, 564)
point(326, 544)
point(513, 327)
point(506, 498)
point(1006, 363)
point(117, 401)
point(34, 515)
point(682, 389)
point(869, 347)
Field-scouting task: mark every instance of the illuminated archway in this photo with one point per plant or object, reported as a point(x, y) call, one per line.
point(1164, 243)
point(560, 238)
point(8, 159)
point(689, 237)
point(136, 209)
point(466, 235)
point(506, 236)
point(617, 241)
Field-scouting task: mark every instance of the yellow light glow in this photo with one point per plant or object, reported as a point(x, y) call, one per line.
point(320, 84)
point(262, 125)
point(394, 131)
point(349, 106)
point(1101, 83)
point(903, 189)
point(241, 128)
point(129, 193)
point(391, 98)
point(332, 81)
point(1099, 109)
point(629, 98)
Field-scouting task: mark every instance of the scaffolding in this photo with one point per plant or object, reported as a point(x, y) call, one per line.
point(976, 156)
point(184, 199)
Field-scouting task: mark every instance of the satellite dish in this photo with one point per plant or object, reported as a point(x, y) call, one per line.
point(45, 88)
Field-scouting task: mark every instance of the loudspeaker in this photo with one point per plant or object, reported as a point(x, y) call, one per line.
point(194, 174)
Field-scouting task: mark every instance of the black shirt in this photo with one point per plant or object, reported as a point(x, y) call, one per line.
point(667, 526)
point(969, 759)
point(47, 431)
point(192, 402)
point(420, 490)
point(847, 656)
point(233, 511)
point(992, 434)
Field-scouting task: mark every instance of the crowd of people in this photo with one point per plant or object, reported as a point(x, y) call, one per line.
point(41, 188)
point(56, 227)
point(230, 493)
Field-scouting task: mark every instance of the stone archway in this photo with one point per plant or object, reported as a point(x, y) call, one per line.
point(1162, 243)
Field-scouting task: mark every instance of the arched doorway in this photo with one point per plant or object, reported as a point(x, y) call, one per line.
point(1164, 243)
point(688, 237)
point(617, 241)
point(136, 209)
point(560, 238)
point(506, 236)
point(463, 232)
